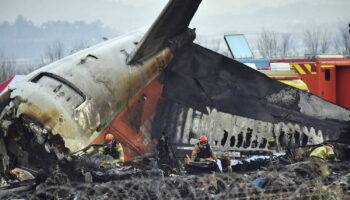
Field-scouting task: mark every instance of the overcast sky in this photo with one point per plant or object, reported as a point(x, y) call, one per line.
point(214, 17)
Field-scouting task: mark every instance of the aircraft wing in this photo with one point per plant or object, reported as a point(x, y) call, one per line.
point(173, 20)
point(200, 78)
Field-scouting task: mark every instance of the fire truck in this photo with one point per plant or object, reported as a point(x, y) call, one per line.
point(325, 76)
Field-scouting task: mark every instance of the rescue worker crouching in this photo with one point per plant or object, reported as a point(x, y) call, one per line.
point(202, 151)
point(112, 148)
point(321, 156)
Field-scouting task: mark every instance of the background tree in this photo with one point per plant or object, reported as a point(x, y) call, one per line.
point(210, 43)
point(317, 41)
point(343, 41)
point(267, 44)
point(215, 44)
point(325, 42)
point(7, 67)
point(285, 45)
point(53, 52)
point(78, 47)
point(10, 67)
point(311, 41)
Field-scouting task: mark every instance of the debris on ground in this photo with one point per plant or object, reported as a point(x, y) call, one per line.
point(292, 181)
point(137, 88)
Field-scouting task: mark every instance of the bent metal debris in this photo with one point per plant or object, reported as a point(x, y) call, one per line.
point(141, 87)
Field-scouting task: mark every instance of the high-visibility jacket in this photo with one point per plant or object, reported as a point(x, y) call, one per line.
point(324, 152)
point(114, 150)
point(121, 154)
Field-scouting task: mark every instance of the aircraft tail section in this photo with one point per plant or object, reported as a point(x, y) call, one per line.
point(172, 22)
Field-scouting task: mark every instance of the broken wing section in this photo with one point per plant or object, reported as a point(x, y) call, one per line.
point(200, 78)
point(172, 22)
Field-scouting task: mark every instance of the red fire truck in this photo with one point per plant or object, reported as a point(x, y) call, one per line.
point(327, 77)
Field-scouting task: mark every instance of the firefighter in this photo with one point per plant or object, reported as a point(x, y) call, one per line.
point(322, 155)
point(202, 151)
point(112, 148)
point(226, 164)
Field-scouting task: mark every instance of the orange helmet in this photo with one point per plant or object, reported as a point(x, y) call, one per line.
point(203, 139)
point(109, 138)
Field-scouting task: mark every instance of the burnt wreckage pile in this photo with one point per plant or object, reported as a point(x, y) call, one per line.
point(294, 181)
point(277, 177)
point(80, 176)
point(53, 113)
point(68, 176)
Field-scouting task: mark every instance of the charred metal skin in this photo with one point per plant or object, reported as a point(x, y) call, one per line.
point(231, 133)
point(64, 106)
point(78, 96)
point(238, 108)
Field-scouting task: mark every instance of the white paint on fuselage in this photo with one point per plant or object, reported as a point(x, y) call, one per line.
point(107, 82)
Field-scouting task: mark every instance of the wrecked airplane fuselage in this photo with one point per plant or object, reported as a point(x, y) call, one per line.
point(241, 109)
point(78, 96)
point(64, 106)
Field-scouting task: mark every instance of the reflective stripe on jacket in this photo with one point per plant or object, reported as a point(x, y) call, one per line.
point(121, 154)
point(323, 152)
point(118, 148)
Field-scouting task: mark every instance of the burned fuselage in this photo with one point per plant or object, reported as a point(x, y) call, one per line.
point(63, 107)
point(78, 96)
